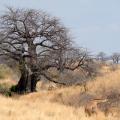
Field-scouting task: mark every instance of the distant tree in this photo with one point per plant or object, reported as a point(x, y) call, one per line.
point(38, 42)
point(101, 56)
point(115, 57)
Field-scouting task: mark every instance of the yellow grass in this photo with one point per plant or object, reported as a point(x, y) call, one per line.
point(40, 109)
point(59, 104)
point(105, 83)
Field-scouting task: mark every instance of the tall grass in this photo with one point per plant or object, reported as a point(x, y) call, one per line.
point(5, 71)
point(63, 103)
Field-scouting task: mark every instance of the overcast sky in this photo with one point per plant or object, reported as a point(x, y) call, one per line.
point(94, 24)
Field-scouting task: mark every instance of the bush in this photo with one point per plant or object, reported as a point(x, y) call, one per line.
point(4, 90)
point(13, 88)
point(8, 94)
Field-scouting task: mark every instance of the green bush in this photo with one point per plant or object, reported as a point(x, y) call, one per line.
point(13, 88)
point(8, 93)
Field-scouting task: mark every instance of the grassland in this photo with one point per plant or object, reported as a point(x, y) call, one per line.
point(65, 103)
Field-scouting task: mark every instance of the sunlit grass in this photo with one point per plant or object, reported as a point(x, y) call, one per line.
point(61, 103)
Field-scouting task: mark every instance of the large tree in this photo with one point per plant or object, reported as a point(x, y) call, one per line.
point(37, 42)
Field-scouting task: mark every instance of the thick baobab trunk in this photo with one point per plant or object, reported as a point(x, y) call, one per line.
point(27, 83)
point(28, 78)
point(24, 84)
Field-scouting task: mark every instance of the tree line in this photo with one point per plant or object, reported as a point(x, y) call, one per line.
point(103, 57)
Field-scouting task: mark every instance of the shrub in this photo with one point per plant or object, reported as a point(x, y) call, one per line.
point(8, 93)
point(13, 88)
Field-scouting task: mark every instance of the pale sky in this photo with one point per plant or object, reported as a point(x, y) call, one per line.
point(94, 24)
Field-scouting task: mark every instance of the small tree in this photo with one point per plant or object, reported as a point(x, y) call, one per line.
point(101, 57)
point(116, 58)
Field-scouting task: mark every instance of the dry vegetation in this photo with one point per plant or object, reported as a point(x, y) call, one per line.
point(66, 102)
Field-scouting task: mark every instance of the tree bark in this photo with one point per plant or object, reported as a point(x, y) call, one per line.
point(28, 80)
point(23, 82)
point(27, 83)
point(33, 82)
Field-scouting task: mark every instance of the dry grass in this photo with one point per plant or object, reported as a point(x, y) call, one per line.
point(64, 103)
point(40, 109)
point(106, 83)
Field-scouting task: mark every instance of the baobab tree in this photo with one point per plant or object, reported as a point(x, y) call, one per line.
point(37, 42)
